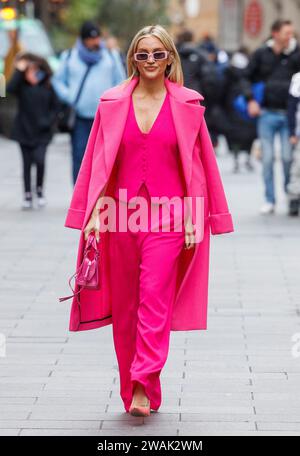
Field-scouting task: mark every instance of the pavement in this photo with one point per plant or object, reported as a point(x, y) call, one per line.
point(239, 377)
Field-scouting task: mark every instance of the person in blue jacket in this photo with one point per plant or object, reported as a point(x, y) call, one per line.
point(89, 68)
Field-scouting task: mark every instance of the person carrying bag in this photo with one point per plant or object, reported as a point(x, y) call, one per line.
point(67, 114)
point(86, 71)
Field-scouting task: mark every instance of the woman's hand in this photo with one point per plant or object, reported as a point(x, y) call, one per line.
point(94, 222)
point(22, 64)
point(253, 108)
point(294, 140)
point(93, 225)
point(189, 234)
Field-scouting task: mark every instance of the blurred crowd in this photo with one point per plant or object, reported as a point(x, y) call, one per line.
point(250, 100)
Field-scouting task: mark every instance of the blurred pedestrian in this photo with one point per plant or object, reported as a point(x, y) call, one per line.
point(274, 63)
point(294, 132)
point(214, 54)
point(203, 72)
point(34, 122)
point(192, 60)
point(86, 70)
point(113, 44)
point(239, 132)
point(212, 86)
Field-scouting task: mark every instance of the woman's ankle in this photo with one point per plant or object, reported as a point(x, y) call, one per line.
point(39, 190)
point(139, 391)
point(28, 195)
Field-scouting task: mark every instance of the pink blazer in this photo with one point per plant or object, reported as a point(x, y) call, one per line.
point(202, 178)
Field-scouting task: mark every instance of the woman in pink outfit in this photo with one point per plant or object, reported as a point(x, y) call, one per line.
point(148, 148)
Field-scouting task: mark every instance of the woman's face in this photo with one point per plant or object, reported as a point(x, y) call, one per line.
point(31, 74)
point(152, 69)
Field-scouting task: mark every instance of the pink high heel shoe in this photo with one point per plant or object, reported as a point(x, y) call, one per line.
point(138, 409)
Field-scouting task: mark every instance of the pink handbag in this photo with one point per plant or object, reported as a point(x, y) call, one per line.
point(87, 274)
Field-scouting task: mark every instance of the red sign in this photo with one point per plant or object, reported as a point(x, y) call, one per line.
point(253, 19)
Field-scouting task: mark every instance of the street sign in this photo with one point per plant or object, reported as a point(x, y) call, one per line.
point(253, 19)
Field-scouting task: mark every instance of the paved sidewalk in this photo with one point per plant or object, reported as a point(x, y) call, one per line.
point(237, 378)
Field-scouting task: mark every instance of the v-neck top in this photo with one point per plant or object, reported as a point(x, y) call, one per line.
point(161, 108)
point(151, 158)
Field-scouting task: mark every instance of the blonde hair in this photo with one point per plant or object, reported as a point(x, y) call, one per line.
point(173, 71)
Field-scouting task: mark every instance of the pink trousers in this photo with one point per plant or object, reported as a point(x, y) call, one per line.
point(144, 267)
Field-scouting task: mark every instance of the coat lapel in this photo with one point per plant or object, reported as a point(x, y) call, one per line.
point(187, 118)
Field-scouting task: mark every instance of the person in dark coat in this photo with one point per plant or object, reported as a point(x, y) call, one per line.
point(203, 72)
point(212, 86)
point(239, 132)
point(34, 123)
point(192, 60)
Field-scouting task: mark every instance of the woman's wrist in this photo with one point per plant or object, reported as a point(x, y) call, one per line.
point(95, 212)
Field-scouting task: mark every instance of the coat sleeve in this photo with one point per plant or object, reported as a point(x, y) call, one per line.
point(76, 212)
point(59, 80)
point(219, 216)
point(15, 83)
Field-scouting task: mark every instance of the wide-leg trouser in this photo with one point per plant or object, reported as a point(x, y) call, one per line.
point(143, 270)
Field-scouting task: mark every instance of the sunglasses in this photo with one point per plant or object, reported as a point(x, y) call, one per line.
point(158, 55)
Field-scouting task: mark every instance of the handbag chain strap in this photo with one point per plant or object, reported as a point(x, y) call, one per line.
point(65, 298)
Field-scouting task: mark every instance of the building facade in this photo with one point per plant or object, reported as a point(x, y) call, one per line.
point(232, 23)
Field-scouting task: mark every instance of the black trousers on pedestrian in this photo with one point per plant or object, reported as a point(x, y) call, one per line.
point(79, 138)
point(33, 155)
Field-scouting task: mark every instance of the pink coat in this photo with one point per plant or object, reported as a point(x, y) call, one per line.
point(201, 176)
